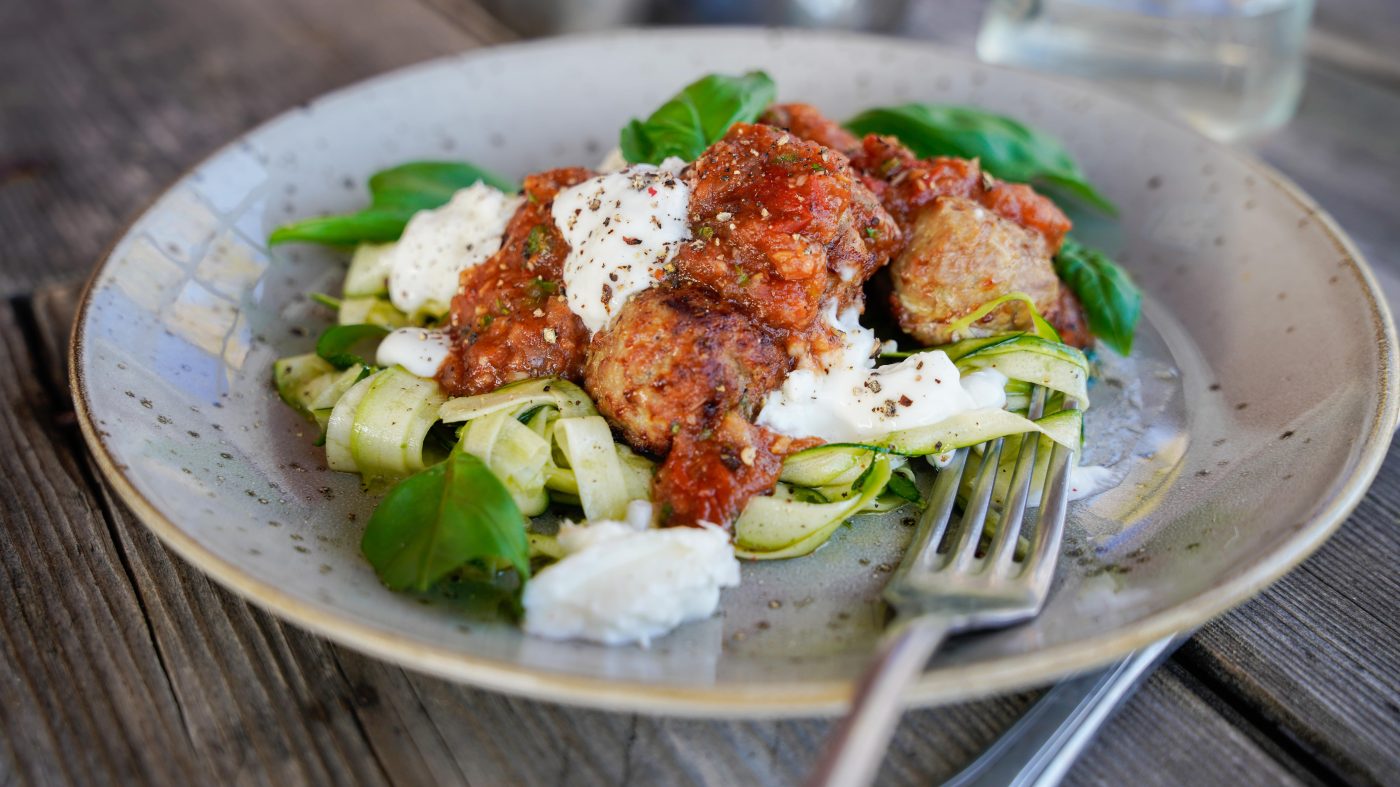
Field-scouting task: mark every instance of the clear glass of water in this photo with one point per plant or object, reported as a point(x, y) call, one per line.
point(1232, 68)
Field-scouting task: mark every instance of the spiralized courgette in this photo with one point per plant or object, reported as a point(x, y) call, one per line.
point(546, 442)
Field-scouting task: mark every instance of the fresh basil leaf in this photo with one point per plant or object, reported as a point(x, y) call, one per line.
point(1007, 149)
point(373, 225)
point(422, 185)
point(395, 195)
point(435, 522)
point(1112, 302)
point(902, 486)
point(696, 117)
point(337, 343)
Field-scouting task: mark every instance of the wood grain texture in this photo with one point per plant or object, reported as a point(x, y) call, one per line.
point(117, 99)
point(1173, 707)
point(77, 661)
point(118, 663)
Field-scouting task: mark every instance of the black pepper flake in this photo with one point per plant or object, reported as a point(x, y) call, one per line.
point(631, 241)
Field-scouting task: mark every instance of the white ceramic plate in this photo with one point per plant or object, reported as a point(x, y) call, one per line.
point(1256, 410)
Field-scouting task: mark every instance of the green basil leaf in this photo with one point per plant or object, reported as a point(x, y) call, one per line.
point(337, 343)
point(1007, 149)
point(395, 195)
point(422, 185)
point(696, 117)
point(1112, 302)
point(901, 486)
point(435, 522)
point(367, 226)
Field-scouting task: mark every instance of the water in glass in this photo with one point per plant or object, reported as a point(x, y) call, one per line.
point(1233, 68)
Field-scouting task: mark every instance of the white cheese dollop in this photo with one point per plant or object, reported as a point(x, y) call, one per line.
point(437, 245)
point(1089, 480)
point(419, 351)
point(851, 400)
point(622, 228)
point(621, 583)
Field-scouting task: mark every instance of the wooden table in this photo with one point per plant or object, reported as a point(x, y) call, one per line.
point(119, 663)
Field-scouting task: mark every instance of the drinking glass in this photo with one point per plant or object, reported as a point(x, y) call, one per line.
point(1232, 68)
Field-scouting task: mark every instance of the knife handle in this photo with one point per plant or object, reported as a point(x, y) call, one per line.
point(1040, 747)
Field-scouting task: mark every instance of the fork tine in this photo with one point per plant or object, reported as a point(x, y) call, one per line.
point(933, 522)
point(1003, 546)
point(1050, 525)
point(974, 516)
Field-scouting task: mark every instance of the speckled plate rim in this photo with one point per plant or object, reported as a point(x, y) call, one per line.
point(807, 697)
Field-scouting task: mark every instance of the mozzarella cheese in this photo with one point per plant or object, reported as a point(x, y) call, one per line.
point(622, 228)
point(426, 264)
point(418, 350)
point(850, 400)
point(623, 582)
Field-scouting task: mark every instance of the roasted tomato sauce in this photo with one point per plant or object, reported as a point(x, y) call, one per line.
point(787, 216)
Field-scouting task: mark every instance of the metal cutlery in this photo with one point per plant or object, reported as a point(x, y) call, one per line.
point(948, 583)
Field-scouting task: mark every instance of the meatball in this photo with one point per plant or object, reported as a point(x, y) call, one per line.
point(807, 122)
point(1067, 315)
point(781, 225)
point(970, 238)
point(510, 320)
point(906, 185)
point(961, 255)
point(675, 362)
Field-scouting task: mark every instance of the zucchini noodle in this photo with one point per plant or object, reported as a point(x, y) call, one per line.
point(546, 442)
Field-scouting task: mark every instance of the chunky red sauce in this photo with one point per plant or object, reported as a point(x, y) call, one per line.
point(509, 318)
point(785, 216)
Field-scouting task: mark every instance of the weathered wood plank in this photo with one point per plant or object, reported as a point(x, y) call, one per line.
point(116, 100)
point(84, 690)
point(1168, 735)
point(1316, 654)
point(261, 703)
point(106, 103)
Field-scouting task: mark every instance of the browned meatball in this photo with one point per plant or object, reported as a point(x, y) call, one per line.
point(780, 226)
point(509, 318)
point(807, 122)
point(1067, 315)
point(906, 185)
point(676, 361)
point(961, 255)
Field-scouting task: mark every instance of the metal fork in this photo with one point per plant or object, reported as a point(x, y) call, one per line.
point(945, 588)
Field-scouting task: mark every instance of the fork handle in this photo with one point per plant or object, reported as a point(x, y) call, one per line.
point(857, 746)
